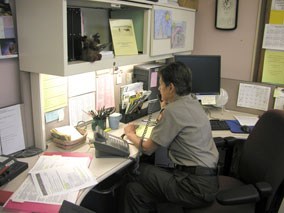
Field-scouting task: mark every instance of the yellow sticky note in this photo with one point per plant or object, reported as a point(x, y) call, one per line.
point(276, 17)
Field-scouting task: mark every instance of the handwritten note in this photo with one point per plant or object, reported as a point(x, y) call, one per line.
point(273, 71)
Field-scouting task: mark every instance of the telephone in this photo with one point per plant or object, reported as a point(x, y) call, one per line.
point(10, 168)
point(110, 146)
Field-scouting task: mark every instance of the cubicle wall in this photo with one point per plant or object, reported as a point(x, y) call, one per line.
point(232, 87)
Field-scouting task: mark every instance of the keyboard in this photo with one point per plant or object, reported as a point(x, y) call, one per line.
point(219, 125)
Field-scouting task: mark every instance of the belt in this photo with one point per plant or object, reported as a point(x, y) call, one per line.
point(197, 170)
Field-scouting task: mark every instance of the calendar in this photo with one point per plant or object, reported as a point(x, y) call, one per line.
point(253, 96)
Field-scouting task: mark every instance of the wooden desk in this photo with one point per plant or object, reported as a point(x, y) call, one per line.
point(217, 113)
point(100, 167)
point(104, 167)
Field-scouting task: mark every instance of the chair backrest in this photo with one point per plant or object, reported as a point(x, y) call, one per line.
point(262, 157)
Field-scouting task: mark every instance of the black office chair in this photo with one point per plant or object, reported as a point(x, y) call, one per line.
point(256, 175)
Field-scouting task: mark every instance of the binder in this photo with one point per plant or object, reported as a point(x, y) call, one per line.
point(42, 207)
point(74, 34)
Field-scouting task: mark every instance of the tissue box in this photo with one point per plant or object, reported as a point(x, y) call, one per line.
point(193, 4)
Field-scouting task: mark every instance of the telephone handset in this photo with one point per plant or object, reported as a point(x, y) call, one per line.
point(110, 146)
point(137, 159)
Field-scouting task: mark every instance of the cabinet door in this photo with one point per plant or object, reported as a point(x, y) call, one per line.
point(172, 30)
point(42, 35)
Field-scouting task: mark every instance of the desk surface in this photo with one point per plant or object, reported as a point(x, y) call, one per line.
point(217, 113)
point(104, 167)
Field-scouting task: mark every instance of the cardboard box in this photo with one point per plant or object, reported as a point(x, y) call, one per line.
point(193, 4)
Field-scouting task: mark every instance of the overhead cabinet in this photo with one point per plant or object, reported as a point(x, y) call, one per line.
point(49, 33)
point(172, 30)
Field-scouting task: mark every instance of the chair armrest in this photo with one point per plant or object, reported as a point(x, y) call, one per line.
point(219, 141)
point(231, 141)
point(264, 189)
point(240, 195)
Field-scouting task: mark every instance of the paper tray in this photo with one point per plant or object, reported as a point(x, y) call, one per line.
point(71, 144)
point(126, 118)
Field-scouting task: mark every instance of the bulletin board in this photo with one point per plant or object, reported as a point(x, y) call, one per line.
point(272, 53)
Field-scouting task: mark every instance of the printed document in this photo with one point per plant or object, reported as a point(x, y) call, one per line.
point(123, 36)
point(27, 193)
point(47, 162)
point(11, 130)
point(62, 180)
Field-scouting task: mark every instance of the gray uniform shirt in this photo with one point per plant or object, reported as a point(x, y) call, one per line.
point(185, 130)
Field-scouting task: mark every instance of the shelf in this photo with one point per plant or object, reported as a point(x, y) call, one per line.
point(8, 56)
point(44, 47)
point(75, 67)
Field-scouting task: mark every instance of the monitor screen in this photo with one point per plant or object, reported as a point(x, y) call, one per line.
point(206, 72)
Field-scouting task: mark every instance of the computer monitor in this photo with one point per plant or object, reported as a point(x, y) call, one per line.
point(206, 73)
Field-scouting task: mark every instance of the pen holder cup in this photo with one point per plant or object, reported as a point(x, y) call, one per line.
point(98, 125)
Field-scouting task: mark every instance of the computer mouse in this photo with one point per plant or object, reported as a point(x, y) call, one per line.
point(245, 129)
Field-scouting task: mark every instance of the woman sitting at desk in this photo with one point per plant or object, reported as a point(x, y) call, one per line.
point(185, 130)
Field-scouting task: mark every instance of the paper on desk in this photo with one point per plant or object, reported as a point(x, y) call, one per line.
point(246, 120)
point(46, 162)
point(62, 179)
point(140, 129)
point(27, 193)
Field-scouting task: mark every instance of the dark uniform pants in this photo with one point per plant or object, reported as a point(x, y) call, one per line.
point(159, 185)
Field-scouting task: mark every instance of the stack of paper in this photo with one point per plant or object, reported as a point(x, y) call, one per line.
point(65, 133)
point(246, 120)
point(53, 178)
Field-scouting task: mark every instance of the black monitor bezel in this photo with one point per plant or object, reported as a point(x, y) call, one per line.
point(217, 58)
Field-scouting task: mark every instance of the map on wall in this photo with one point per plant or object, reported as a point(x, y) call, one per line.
point(163, 24)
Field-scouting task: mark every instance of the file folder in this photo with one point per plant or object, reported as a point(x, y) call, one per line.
point(42, 207)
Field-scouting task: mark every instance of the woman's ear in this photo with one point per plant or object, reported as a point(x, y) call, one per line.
point(172, 87)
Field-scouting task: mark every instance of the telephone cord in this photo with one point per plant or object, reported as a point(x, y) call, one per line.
point(140, 150)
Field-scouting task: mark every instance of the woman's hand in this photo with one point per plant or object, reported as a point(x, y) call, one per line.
point(130, 129)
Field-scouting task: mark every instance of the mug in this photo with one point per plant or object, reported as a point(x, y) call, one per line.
point(114, 119)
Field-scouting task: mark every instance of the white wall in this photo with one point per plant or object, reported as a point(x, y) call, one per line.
point(237, 46)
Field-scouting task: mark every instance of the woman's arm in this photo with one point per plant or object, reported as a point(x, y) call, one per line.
point(148, 146)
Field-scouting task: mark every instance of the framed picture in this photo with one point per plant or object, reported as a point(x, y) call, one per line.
point(226, 17)
point(8, 47)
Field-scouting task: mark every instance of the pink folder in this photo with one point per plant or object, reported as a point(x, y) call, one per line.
point(42, 207)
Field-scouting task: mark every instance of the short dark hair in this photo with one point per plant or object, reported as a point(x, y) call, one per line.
point(178, 74)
